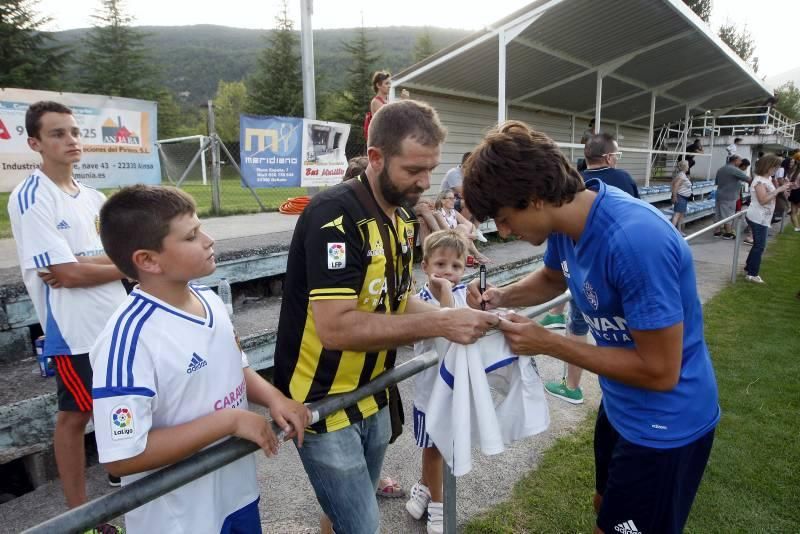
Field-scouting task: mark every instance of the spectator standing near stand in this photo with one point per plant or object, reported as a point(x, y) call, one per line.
point(655, 426)
point(72, 283)
point(346, 307)
point(681, 194)
point(694, 148)
point(733, 148)
point(602, 156)
point(759, 213)
point(728, 179)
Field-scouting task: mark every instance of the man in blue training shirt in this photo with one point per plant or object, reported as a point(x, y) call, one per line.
point(632, 278)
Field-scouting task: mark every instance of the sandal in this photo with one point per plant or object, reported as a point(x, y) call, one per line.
point(391, 489)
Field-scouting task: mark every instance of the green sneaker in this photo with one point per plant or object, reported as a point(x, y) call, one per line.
point(560, 390)
point(552, 320)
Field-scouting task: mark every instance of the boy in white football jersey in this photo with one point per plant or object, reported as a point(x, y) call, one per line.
point(169, 375)
point(71, 282)
point(444, 257)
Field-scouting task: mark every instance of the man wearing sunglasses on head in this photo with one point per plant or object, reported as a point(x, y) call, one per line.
point(347, 305)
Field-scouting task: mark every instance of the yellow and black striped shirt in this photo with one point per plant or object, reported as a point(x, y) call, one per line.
point(337, 253)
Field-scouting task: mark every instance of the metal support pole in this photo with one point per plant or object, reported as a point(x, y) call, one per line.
point(216, 173)
point(649, 169)
point(449, 498)
point(736, 245)
point(711, 159)
point(598, 102)
point(685, 142)
point(572, 137)
point(501, 77)
point(307, 49)
point(203, 162)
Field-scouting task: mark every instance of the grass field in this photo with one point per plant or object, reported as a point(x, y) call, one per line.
point(234, 200)
point(752, 483)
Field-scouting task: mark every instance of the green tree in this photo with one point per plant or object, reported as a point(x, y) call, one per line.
point(358, 93)
point(741, 42)
point(29, 59)
point(116, 61)
point(229, 102)
point(277, 86)
point(788, 103)
point(423, 47)
point(701, 8)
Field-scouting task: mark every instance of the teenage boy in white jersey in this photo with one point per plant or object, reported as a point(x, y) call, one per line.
point(169, 375)
point(71, 282)
point(655, 426)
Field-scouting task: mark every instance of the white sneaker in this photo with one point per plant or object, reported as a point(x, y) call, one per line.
point(418, 503)
point(479, 236)
point(756, 279)
point(435, 518)
point(797, 229)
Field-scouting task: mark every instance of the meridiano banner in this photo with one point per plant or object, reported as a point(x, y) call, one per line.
point(118, 136)
point(291, 152)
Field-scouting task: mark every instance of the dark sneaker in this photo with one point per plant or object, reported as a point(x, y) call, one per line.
point(114, 482)
point(729, 235)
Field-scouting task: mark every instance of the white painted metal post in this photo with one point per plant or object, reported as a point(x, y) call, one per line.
point(649, 168)
point(307, 49)
point(685, 142)
point(711, 148)
point(572, 137)
point(598, 102)
point(501, 77)
point(203, 161)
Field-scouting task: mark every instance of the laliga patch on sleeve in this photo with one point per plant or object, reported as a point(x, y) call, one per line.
point(122, 423)
point(336, 256)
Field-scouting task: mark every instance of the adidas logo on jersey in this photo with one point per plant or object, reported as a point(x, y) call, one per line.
point(627, 528)
point(196, 364)
point(63, 225)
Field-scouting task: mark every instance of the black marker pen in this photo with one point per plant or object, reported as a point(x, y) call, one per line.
point(482, 284)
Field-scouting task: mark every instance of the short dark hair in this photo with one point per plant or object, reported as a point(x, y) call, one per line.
point(766, 163)
point(737, 140)
point(515, 165)
point(355, 167)
point(465, 157)
point(378, 78)
point(597, 145)
point(396, 121)
point(733, 157)
point(744, 163)
point(33, 117)
point(138, 217)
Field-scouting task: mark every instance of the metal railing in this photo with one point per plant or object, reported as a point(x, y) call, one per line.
point(161, 482)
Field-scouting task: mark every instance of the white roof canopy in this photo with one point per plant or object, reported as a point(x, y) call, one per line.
point(567, 55)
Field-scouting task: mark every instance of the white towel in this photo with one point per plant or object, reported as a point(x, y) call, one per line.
point(484, 396)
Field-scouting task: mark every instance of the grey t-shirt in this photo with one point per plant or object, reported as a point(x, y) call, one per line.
point(727, 180)
point(453, 178)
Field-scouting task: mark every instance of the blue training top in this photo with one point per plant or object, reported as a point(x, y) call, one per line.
point(631, 269)
point(613, 176)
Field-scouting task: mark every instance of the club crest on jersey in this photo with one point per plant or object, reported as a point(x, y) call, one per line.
point(337, 253)
point(122, 423)
point(565, 268)
point(591, 295)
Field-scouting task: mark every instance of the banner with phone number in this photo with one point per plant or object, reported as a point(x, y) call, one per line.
point(118, 137)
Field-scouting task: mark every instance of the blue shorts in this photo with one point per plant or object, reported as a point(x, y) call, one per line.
point(680, 204)
point(645, 489)
point(243, 521)
point(420, 432)
point(344, 466)
point(577, 323)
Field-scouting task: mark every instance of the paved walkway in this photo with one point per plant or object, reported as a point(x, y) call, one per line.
point(288, 504)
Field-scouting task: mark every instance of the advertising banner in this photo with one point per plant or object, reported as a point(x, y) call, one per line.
point(118, 137)
point(291, 152)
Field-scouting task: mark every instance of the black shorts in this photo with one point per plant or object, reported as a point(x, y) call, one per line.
point(645, 489)
point(74, 383)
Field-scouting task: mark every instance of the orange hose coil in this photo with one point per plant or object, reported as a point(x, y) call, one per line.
point(294, 205)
